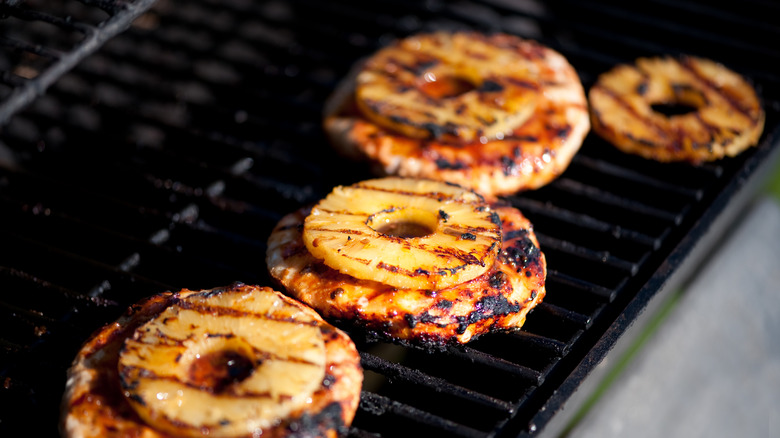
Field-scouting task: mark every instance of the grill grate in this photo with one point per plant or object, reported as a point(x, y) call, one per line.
point(164, 159)
point(34, 61)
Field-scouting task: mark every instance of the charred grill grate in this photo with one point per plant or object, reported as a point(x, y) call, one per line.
point(164, 159)
point(57, 42)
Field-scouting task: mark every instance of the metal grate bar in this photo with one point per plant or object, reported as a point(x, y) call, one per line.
point(379, 405)
point(551, 243)
point(31, 48)
point(581, 189)
point(53, 296)
point(630, 174)
point(538, 342)
point(564, 314)
point(64, 23)
point(21, 97)
point(548, 210)
point(396, 371)
point(493, 361)
point(113, 7)
point(562, 279)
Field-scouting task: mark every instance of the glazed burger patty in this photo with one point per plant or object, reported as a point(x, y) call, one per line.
point(498, 299)
point(515, 124)
point(236, 361)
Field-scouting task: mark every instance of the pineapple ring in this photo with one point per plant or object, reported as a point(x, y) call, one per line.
point(727, 119)
point(167, 367)
point(350, 230)
point(255, 363)
point(461, 85)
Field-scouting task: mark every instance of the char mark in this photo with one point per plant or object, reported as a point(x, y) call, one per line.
point(490, 306)
point(522, 253)
point(444, 304)
point(497, 280)
point(424, 318)
point(687, 63)
point(641, 88)
point(508, 165)
point(490, 86)
point(438, 131)
point(443, 164)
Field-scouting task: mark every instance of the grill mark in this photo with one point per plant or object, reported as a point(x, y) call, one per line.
point(423, 272)
point(460, 228)
point(420, 65)
point(466, 258)
point(259, 354)
point(349, 231)
point(224, 311)
point(522, 83)
point(130, 382)
point(432, 195)
point(688, 65)
point(173, 341)
point(711, 129)
point(343, 212)
point(622, 102)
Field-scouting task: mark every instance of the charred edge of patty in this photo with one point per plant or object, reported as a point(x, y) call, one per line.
point(522, 253)
point(490, 306)
point(369, 331)
point(308, 425)
point(444, 164)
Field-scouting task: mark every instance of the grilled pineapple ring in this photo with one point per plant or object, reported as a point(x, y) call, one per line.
point(442, 84)
point(406, 233)
point(726, 116)
point(216, 361)
point(240, 361)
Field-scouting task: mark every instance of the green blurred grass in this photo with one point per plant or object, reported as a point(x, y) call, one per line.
point(774, 184)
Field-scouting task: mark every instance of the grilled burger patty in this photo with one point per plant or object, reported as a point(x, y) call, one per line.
point(495, 113)
point(236, 361)
point(725, 118)
point(500, 298)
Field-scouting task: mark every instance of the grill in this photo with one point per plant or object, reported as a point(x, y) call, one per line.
point(150, 146)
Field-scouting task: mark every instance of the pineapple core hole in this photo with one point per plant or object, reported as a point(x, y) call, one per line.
point(405, 223)
point(673, 108)
point(682, 100)
point(444, 86)
point(217, 370)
